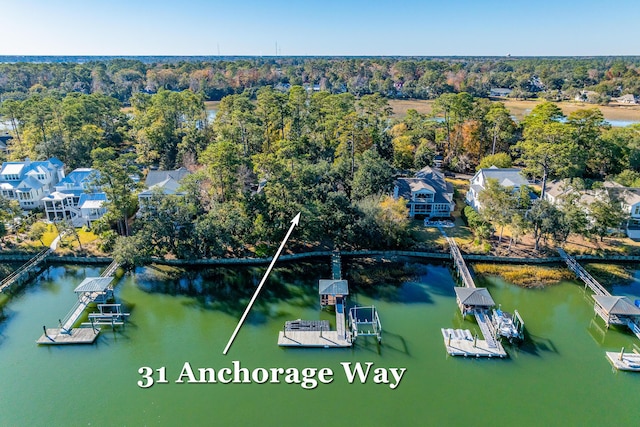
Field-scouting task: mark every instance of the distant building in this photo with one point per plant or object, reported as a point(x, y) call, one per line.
point(499, 92)
point(29, 182)
point(627, 99)
point(428, 195)
point(4, 140)
point(509, 177)
point(588, 96)
point(76, 199)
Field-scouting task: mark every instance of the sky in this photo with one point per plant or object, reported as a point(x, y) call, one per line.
point(329, 27)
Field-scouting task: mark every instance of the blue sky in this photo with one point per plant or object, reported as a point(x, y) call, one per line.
point(330, 27)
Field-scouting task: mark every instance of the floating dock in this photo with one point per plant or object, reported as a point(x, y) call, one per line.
point(624, 361)
point(76, 336)
point(460, 342)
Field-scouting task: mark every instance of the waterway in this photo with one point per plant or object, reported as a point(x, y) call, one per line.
point(559, 377)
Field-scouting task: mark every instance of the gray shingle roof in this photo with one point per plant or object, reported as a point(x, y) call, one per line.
point(474, 296)
point(617, 305)
point(506, 177)
point(157, 177)
point(428, 179)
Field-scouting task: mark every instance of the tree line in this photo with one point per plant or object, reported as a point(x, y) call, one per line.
point(421, 78)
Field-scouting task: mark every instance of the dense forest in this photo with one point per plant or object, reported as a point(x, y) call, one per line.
point(422, 78)
point(310, 135)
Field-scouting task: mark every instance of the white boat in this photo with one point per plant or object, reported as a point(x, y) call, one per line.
point(507, 326)
point(624, 361)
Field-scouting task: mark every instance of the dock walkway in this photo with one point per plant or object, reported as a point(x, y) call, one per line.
point(24, 271)
point(459, 263)
point(597, 289)
point(583, 274)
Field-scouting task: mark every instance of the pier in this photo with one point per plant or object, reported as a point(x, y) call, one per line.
point(614, 310)
point(92, 290)
point(475, 301)
point(25, 272)
point(363, 321)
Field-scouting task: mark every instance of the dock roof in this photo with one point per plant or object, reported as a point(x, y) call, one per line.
point(94, 284)
point(620, 306)
point(474, 296)
point(333, 287)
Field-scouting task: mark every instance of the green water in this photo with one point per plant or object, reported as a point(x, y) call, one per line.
point(559, 377)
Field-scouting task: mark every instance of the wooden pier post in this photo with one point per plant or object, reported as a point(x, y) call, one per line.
point(475, 340)
point(621, 353)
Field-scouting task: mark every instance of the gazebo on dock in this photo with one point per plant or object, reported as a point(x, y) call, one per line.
point(616, 310)
point(100, 286)
point(331, 291)
point(470, 299)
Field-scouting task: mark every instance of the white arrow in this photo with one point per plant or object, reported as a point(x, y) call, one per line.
point(294, 222)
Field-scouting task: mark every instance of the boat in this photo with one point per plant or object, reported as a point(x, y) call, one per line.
point(624, 361)
point(508, 325)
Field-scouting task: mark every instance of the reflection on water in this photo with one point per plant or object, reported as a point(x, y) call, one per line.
point(189, 316)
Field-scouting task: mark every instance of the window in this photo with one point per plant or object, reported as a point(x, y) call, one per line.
point(636, 210)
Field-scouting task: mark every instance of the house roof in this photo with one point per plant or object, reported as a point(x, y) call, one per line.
point(29, 183)
point(77, 177)
point(333, 287)
point(507, 177)
point(426, 179)
point(474, 296)
point(27, 166)
point(92, 200)
point(628, 195)
point(159, 176)
point(617, 305)
point(56, 195)
point(12, 168)
point(94, 284)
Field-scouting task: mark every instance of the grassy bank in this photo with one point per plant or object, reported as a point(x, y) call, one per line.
point(528, 276)
point(610, 274)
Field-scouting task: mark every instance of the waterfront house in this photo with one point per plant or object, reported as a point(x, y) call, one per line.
point(558, 192)
point(588, 96)
point(428, 195)
point(162, 182)
point(29, 182)
point(506, 177)
point(76, 199)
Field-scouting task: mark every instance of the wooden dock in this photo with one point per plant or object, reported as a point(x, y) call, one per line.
point(624, 361)
point(25, 271)
point(459, 342)
point(59, 336)
point(458, 261)
point(336, 265)
point(583, 274)
point(601, 294)
point(324, 339)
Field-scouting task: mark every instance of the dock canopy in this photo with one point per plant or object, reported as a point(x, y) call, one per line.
point(94, 284)
point(616, 305)
point(474, 297)
point(333, 287)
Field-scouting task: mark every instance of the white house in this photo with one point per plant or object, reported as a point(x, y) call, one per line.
point(428, 195)
point(166, 182)
point(510, 177)
point(559, 191)
point(29, 182)
point(76, 199)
